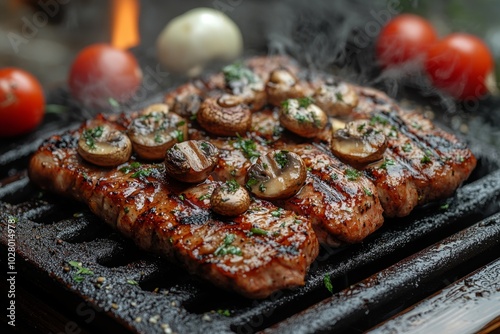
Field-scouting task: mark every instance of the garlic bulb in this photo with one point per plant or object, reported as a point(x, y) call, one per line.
point(199, 36)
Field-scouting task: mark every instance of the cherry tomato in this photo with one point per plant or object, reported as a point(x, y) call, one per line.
point(101, 72)
point(460, 65)
point(22, 103)
point(406, 37)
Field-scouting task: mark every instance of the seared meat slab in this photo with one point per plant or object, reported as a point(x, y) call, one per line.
point(261, 251)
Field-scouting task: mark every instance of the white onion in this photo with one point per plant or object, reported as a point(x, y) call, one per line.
point(195, 38)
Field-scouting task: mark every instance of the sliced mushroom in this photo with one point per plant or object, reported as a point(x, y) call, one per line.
point(191, 161)
point(277, 175)
point(155, 131)
point(283, 85)
point(104, 146)
point(245, 84)
point(224, 121)
point(302, 117)
point(229, 199)
point(359, 143)
point(336, 99)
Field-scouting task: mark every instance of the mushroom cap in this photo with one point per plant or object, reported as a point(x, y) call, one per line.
point(283, 85)
point(224, 121)
point(358, 143)
point(338, 99)
point(230, 200)
point(191, 161)
point(104, 146)
point(155, 131)
point(302, 118)
point(277, 175)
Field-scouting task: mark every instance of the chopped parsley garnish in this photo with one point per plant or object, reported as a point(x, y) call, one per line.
point(181, 123)
point(327, 280)
point(305, 102)
point(300, 117)
point(91, 134)
point(132, 282)
point(334, 176)
point(281, 158)
point(262, 188)
point(445, 206)
point(339, 96)
point(113, 102)
point(227, 248)
point(251, 182)
point(258, 231)
point(376, 119)
point(416, 126)
point(158, 138)
point(387, 162)
point(178, 135)
point(232, 186)
point(204, 146)
point(277, 213)
point(367, 191)
point(407, 147)
point(265, 166)
point(142, 173)
point(352, 174)
point(285, 105)
point(133, 166)
point(80, 271)
point(425, 159)
point(248, 147)
point(126, 209)
point(361, 127)
point(204, 197)
point(181, 197)
point(238, 72)
point(225, 313)
point(277, 131)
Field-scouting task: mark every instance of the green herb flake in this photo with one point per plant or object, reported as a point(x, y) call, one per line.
point(225, 313)
point(387, 162)
point(277, 213)
point(226, 247)
point(80, 270)
point(112, 102)
point(262, 188)
point(377, 119)
point(258, 231)
point(238, 72)
point(339, 96)
point(126, 209)
point(232, 186)
point(181, 123)
point(204, 197)
point(445, 206)
point(407, 147)
point(334, 176)
point(91, 134)
point(132, 282)
point(178, 135)
point(158, 138)
point(352, 174)
point(142, 173)
point(367, 192)
point(251, 182)
point(305, 102)
point(425, 159)
point(327, 280)
point(181, 197)
point(248, 147)
point(285, 105)
point(133, 166)
point(361, 127)
point(281, 158)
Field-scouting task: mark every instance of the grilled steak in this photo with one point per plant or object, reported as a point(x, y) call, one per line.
point(271, 245)
point(175, 220)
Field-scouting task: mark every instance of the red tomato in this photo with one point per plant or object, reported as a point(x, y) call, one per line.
point(460, 65)
point(406, 37)
point(101, 72)
point(22, 103)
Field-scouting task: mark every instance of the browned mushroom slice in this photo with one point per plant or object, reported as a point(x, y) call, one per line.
point(244, 83)
point(302, 117)
point(155, 131)
point(336, 99)
point(277, 175)
point(191, 161)
point(104, 146)
point(224, 121)
point(359, 143)
point(229, 199)
point(283, 85)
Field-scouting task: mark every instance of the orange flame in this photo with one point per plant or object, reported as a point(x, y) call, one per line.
point(125, 30)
